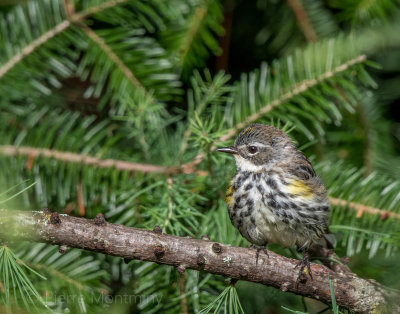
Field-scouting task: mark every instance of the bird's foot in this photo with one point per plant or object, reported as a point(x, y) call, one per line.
point(305, 268)
point(259, 248)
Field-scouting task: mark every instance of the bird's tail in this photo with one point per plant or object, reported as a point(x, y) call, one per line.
point(325, 249)
point(330, 240)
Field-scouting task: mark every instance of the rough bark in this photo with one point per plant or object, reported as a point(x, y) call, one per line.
point(356, 294)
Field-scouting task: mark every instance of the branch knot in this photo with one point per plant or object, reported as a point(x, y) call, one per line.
point(55, 218)
point(159, 251)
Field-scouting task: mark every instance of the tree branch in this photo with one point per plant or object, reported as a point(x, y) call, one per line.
point(96, 235)
point(10, 150)
point(361, 208)
point(27, 50)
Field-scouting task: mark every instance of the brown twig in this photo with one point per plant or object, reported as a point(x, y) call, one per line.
point(170, 181)
point(69, 8)
point(9, 150)
point(352, 292)
point(182, 292)
point(79, 194)
point(221, 62)
point(361, 208)
point(302, 20)
point(29, 162)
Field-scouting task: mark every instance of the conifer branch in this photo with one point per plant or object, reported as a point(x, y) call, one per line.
point(26, 51)
point(294, 90)
point(69, 157)
point(193, 28)
point(31, 47)
point(361, 209)
point(113, 57)
point(357, 294)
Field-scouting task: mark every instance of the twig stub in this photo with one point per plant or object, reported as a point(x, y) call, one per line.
point(217, 248)
point(157, 229)
point(99, 220)
point(159, 251)
point(55, 218)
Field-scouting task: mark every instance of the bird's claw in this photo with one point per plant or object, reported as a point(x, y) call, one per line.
point(258, 249)
point(305, 268)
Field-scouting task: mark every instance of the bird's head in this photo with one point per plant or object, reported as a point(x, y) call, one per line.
point(259, 146)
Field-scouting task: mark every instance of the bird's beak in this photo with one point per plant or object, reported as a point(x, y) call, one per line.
point(229, 150)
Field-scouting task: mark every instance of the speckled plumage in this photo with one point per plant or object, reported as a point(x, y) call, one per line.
point(275, 195)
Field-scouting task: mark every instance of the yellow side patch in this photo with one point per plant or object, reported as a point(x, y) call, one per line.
point(249, 129)
point(229, 192)
point(296, 187)
point(228, 199)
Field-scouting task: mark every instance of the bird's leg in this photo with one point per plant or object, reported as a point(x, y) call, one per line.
point(258, 249)
point(305, 268)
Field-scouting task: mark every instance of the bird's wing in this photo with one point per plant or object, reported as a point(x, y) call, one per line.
point(309, 189)
point(301, 168)
point(302, 178)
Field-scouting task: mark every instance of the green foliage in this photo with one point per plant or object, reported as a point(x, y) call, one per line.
point(228, 300)
point(25, 26)
point(75, 276)
point(362, 12)
point(313, 69)
point(321, 19)
point(84, 84)
point(17, 287)
point(335, 308)
point(373, 232)
point(190, 35)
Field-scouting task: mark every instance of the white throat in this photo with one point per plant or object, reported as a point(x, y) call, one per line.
point(246, 165)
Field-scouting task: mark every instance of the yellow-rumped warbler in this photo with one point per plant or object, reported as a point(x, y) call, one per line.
point(275, 195)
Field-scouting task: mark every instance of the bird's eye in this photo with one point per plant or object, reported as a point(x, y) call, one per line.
point(252, 149)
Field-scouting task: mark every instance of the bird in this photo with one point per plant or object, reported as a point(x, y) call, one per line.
point(275, 195)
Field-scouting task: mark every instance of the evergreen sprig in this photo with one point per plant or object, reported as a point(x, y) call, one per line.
point(16, 285)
